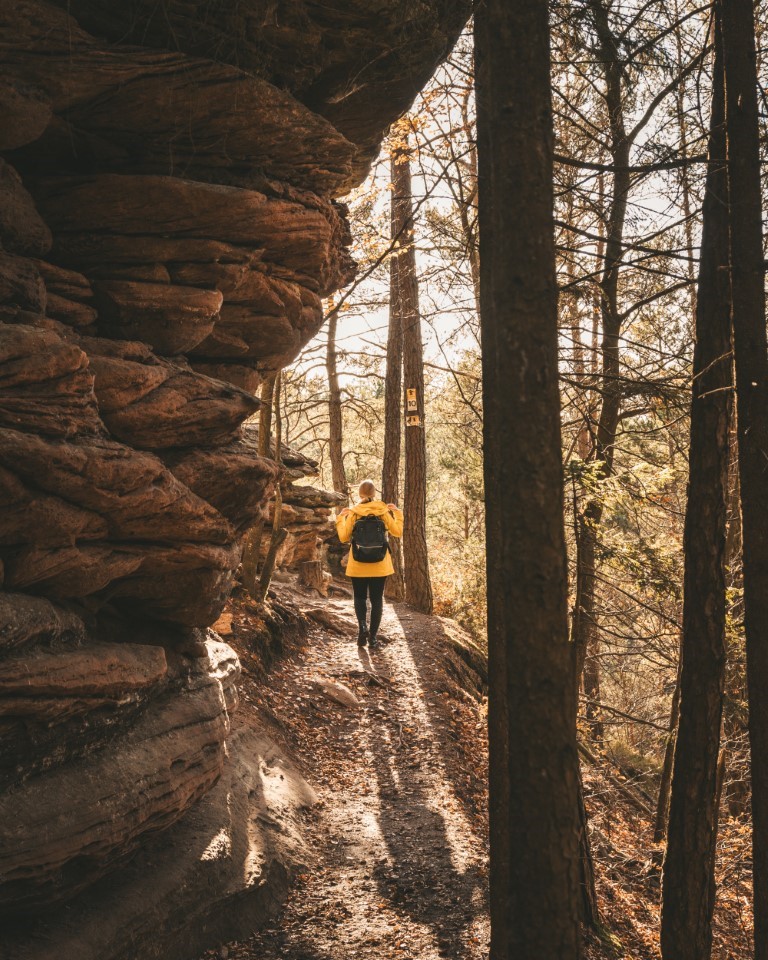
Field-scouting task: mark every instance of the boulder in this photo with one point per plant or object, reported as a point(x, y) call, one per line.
point(46, 386)
point(27, 514)
point(358, 65)
point(63, 572)
point(63, 829)
point(338, 692)
point(65, 283)
point(186, 583)
point(215, 876)
point(170, 319)
point(50, 685)
point(22, 230)
point(297, 230)
point(154, 404)
point(28, 620)
point(72, 312)
point(22, 290)
point(243, 375)
point(25, 112)
point(235, 479)
point(136, 494)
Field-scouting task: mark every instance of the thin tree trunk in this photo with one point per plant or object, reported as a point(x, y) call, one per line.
point(589, 910)
point(265, 418)
point(592, 687)
point(418, 587)
point(468, 202)
point(252, 547)
point(278, 533)
point(681, 97)
point(335, 428)
point(688, 883)
point(665, 783)
point(532, 697)
point(584, 632)
point(393, 412)
point(751, 365)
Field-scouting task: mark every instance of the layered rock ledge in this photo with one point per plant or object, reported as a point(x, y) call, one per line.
point(169, 227)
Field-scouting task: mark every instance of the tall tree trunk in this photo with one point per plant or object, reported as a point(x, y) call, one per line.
point(751, 364)
point(688, 883)
point(585, 637)
point(335, 428)
point(278, 532)
point(418, 587)
point(393, 412)
point(532, 697)
point(681, 99)
point(665, 782)
point(265, 418)
point(252, 547)
point(468, 200)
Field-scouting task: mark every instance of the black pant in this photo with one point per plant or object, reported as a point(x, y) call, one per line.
point(363, 586)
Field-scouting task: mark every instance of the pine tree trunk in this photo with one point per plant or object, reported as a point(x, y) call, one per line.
point(751, 364)
point(265, 418)
point(279, 533)
point(688, 886)
point(335, 427)
point(393, 412)
point(584, 628)
point(252, 545)
point(665, 782)
point(532, 697)
point(418, 587)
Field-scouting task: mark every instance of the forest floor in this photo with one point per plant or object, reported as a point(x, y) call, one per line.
point(399, 862)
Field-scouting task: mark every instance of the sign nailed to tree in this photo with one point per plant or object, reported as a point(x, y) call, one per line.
point(412, 418)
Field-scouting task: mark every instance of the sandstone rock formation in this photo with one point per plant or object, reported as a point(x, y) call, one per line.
point(168, 229)
point(307, 512)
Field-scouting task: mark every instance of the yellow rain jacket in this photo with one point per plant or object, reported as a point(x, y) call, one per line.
point(393, 521)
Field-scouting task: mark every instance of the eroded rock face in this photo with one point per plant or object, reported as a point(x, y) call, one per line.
point(169, 226)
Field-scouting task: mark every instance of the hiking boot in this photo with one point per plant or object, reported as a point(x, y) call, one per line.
point(373, 641)
point(362, 637)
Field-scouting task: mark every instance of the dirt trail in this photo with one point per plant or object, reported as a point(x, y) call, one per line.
point(401, 851)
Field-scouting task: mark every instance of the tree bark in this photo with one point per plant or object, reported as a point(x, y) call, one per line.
point(265, 418)
point(532, 696)
point(751, 365)
point(278, 532)
point(393, 408)
point(335, 426)
point(311, 576)
point(418, 587)
point(688, 882)
point(665, 783)
point(252, 546)
point(584, 635)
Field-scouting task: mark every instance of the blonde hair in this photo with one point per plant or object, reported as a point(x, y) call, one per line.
point(367, 490)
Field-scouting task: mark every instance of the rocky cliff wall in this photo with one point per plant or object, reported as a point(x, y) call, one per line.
point(168, 229)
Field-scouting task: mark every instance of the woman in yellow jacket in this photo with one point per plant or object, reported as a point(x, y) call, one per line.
point(368, 578)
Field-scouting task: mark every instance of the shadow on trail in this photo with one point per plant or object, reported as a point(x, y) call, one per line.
point(422, 879)
point(447, 658)
point(428, 875)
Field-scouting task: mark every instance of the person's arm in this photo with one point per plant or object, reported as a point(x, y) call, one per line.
point(344, 524)
point(393, 520)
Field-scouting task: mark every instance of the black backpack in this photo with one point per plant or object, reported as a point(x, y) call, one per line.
point(369, 540)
